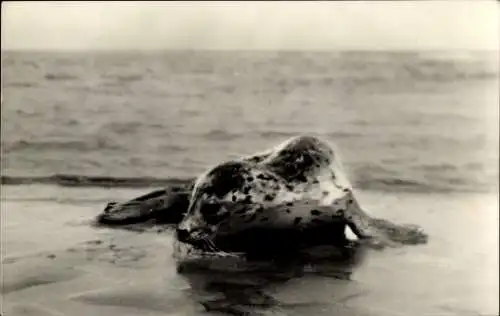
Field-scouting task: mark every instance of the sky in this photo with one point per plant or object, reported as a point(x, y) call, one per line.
point(251, 25)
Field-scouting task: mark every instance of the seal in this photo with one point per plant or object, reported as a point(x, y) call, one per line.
point(298, 185)
point(294, 195)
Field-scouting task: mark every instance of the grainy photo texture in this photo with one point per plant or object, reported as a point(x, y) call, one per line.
point(250, 158)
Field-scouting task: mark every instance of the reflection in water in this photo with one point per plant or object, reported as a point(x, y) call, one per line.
point(236, 285)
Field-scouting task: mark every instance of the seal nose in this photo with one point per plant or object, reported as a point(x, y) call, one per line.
point(182, 234)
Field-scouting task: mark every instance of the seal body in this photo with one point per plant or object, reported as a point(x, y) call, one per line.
point(298, 184)
point(294, 194)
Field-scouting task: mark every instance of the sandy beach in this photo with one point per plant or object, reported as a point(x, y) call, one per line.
point(56, 263)
point(417, 132)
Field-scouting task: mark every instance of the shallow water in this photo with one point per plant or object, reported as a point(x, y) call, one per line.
point(417, 132)
point(54, 261)
point(402, 121)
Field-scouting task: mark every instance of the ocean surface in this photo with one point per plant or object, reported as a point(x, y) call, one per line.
point(403, 121)
point(417, 133)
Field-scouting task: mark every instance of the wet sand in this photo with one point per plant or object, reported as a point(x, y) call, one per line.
point(55, 263)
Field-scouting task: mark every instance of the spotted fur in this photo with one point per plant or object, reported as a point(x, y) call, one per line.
point(299, 183)
point(275, 188)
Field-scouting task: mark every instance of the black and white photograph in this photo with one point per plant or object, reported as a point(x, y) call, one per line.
point(279, 158)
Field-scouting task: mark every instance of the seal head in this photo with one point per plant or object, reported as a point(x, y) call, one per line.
point(207, 208)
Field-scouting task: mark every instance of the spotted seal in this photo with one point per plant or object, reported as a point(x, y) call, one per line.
point(297, 185)
point(293, 194)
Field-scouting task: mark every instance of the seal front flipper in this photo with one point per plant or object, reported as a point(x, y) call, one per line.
point(166, 206)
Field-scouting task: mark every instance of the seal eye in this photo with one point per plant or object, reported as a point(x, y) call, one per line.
point(212, 213)
point(209, 208)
